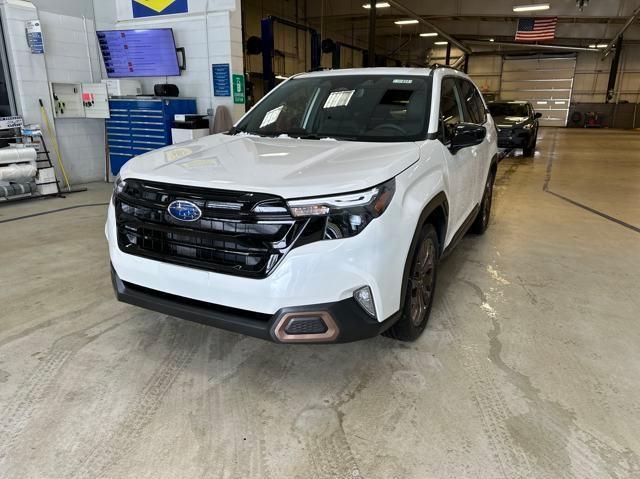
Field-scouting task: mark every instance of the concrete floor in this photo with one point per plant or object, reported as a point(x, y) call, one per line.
point(529, 367)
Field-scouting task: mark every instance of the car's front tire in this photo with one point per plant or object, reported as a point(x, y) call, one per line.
point(530, 149)
point(419, 288)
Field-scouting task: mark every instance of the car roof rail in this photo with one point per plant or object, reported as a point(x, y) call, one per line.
point(436, 66)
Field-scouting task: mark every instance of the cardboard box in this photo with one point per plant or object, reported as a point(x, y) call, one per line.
point(51, 189)
point(45, 175)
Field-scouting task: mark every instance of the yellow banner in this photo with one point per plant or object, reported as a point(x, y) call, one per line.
point(156, 5)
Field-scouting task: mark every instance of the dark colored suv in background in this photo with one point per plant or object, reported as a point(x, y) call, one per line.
point(517, 125)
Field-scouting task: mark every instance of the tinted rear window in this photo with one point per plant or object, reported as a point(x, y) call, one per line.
point(508, 109)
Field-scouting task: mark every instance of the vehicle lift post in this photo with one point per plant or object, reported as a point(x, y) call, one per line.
point(336, 57)
point(268, 48)
point(613, 73)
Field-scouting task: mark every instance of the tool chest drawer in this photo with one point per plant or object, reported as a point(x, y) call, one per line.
point(139, 126)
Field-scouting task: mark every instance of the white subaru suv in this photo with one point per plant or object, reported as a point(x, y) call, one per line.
point(320, 217)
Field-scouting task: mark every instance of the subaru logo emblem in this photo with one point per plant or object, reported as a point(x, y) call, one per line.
point(184, 211)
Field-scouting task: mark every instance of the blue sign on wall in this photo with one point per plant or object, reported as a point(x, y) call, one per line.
point(153, 8)
point(221, 79)
point(34, 36)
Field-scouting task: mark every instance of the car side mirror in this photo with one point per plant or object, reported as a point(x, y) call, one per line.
point(537, 115)
point(465, 135)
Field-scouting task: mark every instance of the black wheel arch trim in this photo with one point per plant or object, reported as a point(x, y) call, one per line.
point(494, 162)
point(438, 201)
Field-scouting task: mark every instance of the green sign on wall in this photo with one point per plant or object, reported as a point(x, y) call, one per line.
point(238, 88)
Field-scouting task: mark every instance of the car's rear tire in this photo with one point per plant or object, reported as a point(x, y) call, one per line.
point(481, 223)
point(419, 288)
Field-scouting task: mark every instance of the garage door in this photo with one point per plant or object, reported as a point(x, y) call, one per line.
point(544, 81)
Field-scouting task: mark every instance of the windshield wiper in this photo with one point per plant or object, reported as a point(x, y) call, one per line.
point(234, 131)
point(237, 131)
point(303, 134)
point(308, 136)
point(299, 133)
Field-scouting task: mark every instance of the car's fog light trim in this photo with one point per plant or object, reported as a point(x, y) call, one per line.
point(364, 298)
point(331, 333)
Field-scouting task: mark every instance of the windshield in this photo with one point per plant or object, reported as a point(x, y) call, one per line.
point(509, 109)
point(358, 108)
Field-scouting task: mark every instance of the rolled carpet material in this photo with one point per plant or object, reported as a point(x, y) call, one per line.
point(17, 172)
point(17, 189)
point(15, 155)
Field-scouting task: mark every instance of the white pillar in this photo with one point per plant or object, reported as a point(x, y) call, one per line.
point(28, 71)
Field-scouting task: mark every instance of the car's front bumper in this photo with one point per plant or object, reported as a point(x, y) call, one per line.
point(513, 138)
point(320, 273)
point(343, 321)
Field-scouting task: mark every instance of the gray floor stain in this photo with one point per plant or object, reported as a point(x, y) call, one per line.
point(30, 396)
point(548, 431)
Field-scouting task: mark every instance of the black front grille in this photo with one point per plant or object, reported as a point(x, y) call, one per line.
point(239, 233)
point(299, 326)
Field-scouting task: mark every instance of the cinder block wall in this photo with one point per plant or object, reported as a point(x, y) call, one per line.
point(71, 56)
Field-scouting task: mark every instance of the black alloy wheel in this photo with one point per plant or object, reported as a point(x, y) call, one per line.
point(419, 289)
point(422, 281)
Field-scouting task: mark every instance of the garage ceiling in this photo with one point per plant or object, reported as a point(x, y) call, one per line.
point(600, 20)
point(465, 8)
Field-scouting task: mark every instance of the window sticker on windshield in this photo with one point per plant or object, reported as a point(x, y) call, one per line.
point(271, 116)
point(338, 98)
point(403, 81)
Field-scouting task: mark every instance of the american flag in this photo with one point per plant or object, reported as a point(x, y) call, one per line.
point(536, 29)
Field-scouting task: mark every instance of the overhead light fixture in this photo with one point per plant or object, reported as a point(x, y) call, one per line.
point(406, 22)
point(378, 5)
point(440, 43)
point(533, 7)
point(430, 34)
point(492, 39)
point(599, 45)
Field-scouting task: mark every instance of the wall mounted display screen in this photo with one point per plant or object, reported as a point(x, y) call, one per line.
point(139, 53)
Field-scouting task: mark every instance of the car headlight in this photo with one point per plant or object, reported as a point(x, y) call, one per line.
point(119, 185)
point(348, 214)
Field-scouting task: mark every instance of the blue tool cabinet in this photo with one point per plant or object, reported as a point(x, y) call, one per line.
point(139, 126)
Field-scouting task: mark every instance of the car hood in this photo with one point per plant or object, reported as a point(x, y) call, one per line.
point(509, 121)
point(287, 167)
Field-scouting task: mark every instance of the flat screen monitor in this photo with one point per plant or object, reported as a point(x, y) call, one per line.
point(139, 53)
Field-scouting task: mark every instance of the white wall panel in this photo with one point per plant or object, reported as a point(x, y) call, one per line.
point(224, 35)
point(485, 70)
point(66, 60)
point(28, 71)
point(81, 141)
point(590, 78)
